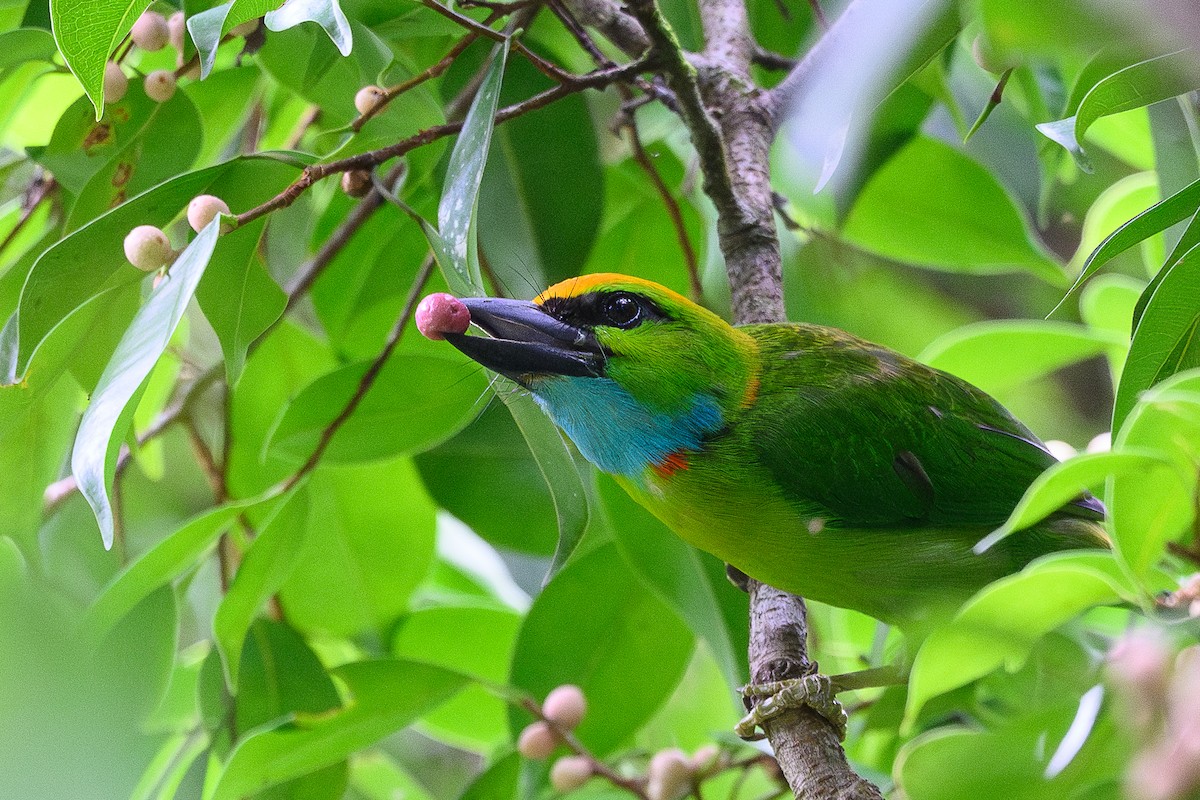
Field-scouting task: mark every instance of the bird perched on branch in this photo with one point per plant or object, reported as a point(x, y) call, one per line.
point(807, 458)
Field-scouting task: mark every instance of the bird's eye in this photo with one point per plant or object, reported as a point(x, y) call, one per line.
point(621, 311)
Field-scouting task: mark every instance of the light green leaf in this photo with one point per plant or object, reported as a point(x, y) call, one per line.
point(999, 354)
point(1066, 481)
point(417, 401)
point(460, 198)
point(1157, 218)
point(26, 44)
point(167, 560)
point(87, 32)
point(1167, 338)
point(1000, 625)
point(385, 696)
point(560, 472)
point(326, 13)
point(1124, 200)
point(109, 413)
point(928, 183)
point(265, 567)
point(1188, 240)
point(1141, 84)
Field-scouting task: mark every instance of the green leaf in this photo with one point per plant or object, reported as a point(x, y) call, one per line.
point(930, 183)
point(369, 542)
point(560, 472)
point(167, 560)
point(27, 44)
point(326, 13)
point(1001, 624)
point(1188, 239)
point(460, 198)
point(1157, 218)
point(417, 401)
point(1141, 84)
point(385, 695)
point(109, 413)
point(207, 27)
point(1119, 203)
point(87, 32)
point(474, 641)
point(265, 567)
point(92, 259)
point(1166, 340)
point(999, 354)
point(1066, 481)
point(627, 652)
point(713, 608)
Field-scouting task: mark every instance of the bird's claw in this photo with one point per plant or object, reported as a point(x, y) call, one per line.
point(813, 691)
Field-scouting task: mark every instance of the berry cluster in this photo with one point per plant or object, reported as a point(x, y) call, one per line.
point(147, 247)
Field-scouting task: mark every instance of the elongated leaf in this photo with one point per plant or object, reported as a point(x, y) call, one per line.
point(460, 199)
point(326, 13)
point(264, 568)
point(109, 413)
point(1188, 239)
point(1167, 339)
point(87, 31)
point(560, 472)
point(166, 561)
point(1157, 218)
point(999, 354)
point(928, 180)
point(1139, 85)
point(26, 44)
point(1000, 624)
point(386, 696)
point(1065, 481)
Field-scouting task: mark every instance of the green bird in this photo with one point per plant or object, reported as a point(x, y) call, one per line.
point(807, 458)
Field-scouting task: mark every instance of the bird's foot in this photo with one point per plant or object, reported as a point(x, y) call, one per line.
point(815, 691)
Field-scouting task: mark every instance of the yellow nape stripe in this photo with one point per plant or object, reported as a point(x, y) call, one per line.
point(573, 287)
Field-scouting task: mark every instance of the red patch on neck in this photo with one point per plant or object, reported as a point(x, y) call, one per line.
point(671, 464)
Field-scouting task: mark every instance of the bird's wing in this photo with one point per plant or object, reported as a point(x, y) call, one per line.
point(860, 436)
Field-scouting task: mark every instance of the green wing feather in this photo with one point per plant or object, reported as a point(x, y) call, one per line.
point(863, 437)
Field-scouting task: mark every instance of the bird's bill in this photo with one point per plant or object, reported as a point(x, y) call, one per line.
point(523, 340)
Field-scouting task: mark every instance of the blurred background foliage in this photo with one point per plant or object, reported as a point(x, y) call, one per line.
point(376, 629)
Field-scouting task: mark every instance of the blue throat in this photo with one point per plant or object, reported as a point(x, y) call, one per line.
point(616, 432)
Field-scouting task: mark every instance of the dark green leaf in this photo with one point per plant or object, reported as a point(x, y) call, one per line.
point(108, 415)
point(207, 27)
point(27, 44)
point(1188, 239)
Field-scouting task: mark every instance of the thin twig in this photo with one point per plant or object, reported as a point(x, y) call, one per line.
point(550, 70)
point(40, 188)
point(769, 60)
point(819, 14)
point(634, 786)
point(368, 379)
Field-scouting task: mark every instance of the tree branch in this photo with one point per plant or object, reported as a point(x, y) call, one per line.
point(613, 23)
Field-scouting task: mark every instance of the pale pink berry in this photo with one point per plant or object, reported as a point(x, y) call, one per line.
point(150, 32)
point(570, 772)
point(115, 83)
point(160, 85)
point(203, 210)
point(669, 776)
point(565, 705)
point(441, 313)
point(367, 98)
point(147, 248)
point(537, 741)
point(176, 27)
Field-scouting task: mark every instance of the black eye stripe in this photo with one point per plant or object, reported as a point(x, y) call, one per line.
point(615, 309)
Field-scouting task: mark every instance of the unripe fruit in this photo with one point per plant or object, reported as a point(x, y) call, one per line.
point(115, 83)
point(367, 98)
point(147, 248)
point(176, 27)
point(245, 29)
point(565, 705)
point(705, 760)
point(669, 776)
point(356, 182)
point(439, 314)
point(160, 85)
point(987, 58)
point(203, 210)
point(570, 772)
point(537, 741)
point(150, 32)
